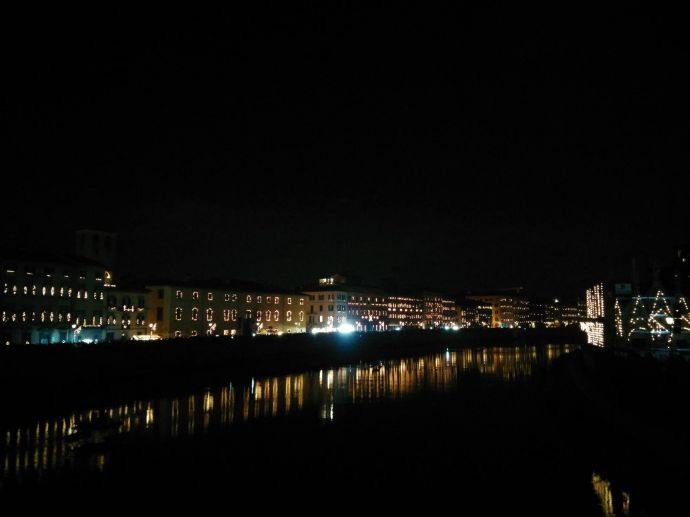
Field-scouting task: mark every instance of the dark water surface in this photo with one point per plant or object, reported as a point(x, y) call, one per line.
point(487, 430)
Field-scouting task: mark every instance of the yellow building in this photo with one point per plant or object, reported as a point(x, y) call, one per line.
point(184, 310)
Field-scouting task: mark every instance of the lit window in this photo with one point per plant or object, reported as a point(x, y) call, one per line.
point(178, 294)
point(194, 333)
point(209, 314)
point(226, 332)
point(258, 315)
point(26, 290)
point(195, 295)
point(178, 333)
point(227, 297)
point(210, 296)
point(249, 299)
point(258, 299)
point(226, 314)
point(178, 313)
point(268, 315)
point(289, 301)
point(301, 315)
point(234, 297)
point(276, 299)
point(195, 314)
point(301, 301)
point(276, 315)
point(288, 315)
point(234, 315)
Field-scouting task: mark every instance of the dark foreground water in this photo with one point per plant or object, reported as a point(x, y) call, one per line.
point(493, 430)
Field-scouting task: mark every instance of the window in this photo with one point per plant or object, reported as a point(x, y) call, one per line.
point(159, 314)
point(258, 299)
point(194, 334)
point(301, 301)
point(227, 297)
point(195, 295)
point(178, 314)
point(210, 296)
point(234, 315)
point(226, 314)
point(178, 294)
point(268, 315)
point(276, 299)
point(249, 299)
point(178, 333)
point(195, 314)
point(320, 297)
point(289, 301)
point(141, 302)
point(160, 294)
point(330, 308)
point(276, 315)
point(268, 299)
point(209, 314)
point(258, 315)
point(234, 297)
point(288, 315)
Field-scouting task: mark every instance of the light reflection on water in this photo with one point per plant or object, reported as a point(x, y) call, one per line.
point(81, 439)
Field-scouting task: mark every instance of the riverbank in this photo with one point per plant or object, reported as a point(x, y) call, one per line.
point(38, 378)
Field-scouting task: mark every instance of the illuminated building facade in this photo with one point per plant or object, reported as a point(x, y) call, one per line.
point(507, 310)
point(51, 299)
point(334, 302)
point(433, 310)
point(594, 326)
point(474, 314)
point(125, 311)
point(405, 311)
point(184, 310)
point(450, 313)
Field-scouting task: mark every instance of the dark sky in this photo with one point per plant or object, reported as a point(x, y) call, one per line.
point(457, 149)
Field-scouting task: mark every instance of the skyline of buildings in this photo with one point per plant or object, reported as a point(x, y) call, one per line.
point(49, 298)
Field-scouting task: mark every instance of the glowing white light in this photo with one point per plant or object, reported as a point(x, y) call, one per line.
point(669, 321)
point(346, 328)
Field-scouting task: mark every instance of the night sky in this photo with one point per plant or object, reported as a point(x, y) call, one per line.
point(454, 149)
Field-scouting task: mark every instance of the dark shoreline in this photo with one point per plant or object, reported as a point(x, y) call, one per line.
point(46, 379)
